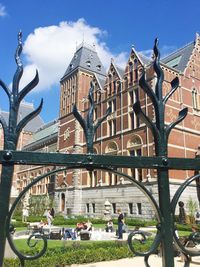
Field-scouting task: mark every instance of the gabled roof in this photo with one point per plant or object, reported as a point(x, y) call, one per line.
point(47, 132)
point(179, 59)
point(120, 71)
point(145, 60)
point(25, 109)
point(101, 80)
point(141, 57)
point(86, 58)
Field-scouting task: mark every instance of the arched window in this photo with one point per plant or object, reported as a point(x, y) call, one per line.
point(134, 147)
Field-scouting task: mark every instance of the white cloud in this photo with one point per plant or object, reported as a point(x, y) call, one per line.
point(2, 11)
point(50, 49)
point(147, 53)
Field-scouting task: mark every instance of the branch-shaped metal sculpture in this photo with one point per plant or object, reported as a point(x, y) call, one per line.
point(161, 133)
point(89, 127)
point(159, 130)
point(12, 130)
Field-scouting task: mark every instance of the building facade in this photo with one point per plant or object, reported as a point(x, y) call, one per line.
point(85, 192)
point(43, 140)
point(122, 133)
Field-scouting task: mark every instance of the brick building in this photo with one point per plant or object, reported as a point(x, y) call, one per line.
point(42, 140)
point(80, 191)
point(122, 133)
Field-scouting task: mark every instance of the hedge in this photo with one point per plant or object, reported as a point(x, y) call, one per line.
point(60, 220)
point(81, 252)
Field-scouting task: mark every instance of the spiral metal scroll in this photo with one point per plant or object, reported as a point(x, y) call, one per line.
point(194, 237)
point(89, 127)
point(32, 237)
point(12, 130)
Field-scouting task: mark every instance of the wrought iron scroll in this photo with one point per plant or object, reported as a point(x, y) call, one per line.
point(39, 236)
point(89, 127)
point(12, 130)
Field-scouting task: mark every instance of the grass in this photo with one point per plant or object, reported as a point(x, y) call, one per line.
point(21, 244)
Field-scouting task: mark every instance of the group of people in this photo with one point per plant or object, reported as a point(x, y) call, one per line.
point(73, 233)
point(67, 233)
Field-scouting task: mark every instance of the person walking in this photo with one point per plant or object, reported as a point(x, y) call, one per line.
point(52, 212)
point(120, 223)
point(24, 214)
point(49, 218)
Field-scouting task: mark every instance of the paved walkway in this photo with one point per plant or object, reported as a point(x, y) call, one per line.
point(154, 261)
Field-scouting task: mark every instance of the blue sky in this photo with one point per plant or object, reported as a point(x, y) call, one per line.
point(52, 29)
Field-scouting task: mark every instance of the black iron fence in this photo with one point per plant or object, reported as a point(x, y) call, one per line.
point(165, 210)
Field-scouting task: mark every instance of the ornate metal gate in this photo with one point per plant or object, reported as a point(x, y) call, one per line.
point(165, 210)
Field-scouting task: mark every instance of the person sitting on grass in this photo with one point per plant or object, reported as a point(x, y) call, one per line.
point(89, 226)
point(109, 226)
point(80, 226)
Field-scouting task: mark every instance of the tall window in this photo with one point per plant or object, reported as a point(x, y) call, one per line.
point(139, 208)
point(135, 149)
point(136, 173)
point(110, 85)
point(93, 207)
point(130, 205)
point(110, 127)
point(114, 207)
point(136, 75)
point(110, 178)
point(93, 178)
point(111, 149)
point(133, 96)
point(113, 104)
point(87, 207)
point(195, 101)
point(132, 120)
point(114, 126)
point(126, 83)
point(131, 71)
point(114, 87)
